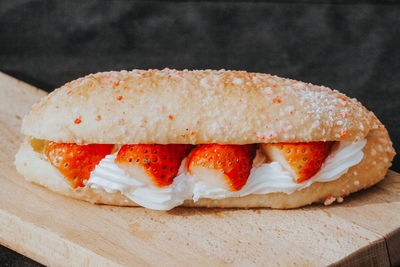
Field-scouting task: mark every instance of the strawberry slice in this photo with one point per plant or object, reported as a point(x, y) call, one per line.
point(302, 160)
point(156, 164)
point(76, 162)
point(223, 166)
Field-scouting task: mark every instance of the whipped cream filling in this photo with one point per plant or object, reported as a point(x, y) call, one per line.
point(264, 178)
point(108, 176)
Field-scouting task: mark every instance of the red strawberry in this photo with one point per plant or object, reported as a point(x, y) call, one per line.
point(302, 160)
point(224, 166)
point(160, 163)
point(76, 162)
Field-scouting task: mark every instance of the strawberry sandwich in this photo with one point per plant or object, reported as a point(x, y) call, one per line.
point(167, 138)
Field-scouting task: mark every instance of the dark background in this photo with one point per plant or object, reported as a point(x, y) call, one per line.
point(351, 46)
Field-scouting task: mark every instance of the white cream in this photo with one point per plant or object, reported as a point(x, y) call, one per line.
point(110, 177)
point(264, 178)
point(270, 177)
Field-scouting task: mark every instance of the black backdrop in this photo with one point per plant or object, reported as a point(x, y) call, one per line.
point(352, 46)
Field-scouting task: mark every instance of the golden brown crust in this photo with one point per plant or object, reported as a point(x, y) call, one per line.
point(170, 106)
point(378, 154)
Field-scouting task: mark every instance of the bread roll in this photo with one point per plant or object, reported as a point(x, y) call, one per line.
point(201, 107)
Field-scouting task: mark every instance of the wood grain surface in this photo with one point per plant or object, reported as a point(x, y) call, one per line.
point(58, 231)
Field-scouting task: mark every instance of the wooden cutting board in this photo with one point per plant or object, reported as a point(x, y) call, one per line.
point(58, 231)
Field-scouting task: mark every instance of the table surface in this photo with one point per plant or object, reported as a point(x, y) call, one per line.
point(53, 229)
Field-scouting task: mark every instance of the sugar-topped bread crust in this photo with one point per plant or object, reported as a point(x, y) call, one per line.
point(197, 107)
point(378, 154)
